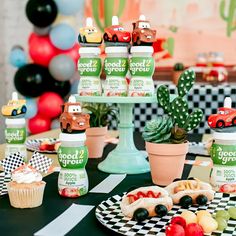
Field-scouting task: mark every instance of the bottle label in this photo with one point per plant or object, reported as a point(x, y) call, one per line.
point(223, 154)
point(223, 173)
point(116, 66)
point(142, 66)
point(140, 86)
point(15, 135)
point(116, 86)
point(73, 157)
point(72, 183)
point(13, 148)
point(89, 66)
point(90, 86)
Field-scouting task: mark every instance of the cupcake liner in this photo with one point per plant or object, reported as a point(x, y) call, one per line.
point(29, 196)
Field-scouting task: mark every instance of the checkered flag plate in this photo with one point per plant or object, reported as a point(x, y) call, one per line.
point(11, 162)
point(109, 214)
point(4, 179)
point(40, 162)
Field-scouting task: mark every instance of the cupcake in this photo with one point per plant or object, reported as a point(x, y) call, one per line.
point(26, 188)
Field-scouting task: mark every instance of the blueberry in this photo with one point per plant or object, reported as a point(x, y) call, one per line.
point(185, 201)
point(140, 214)
point(161, 210)
point(201, 200)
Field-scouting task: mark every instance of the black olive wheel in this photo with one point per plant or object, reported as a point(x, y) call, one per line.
point(140, 214)
point(186, 201)
point(161, 210)
point(201, 200)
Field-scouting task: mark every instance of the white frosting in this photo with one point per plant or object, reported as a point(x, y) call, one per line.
point(26, 175)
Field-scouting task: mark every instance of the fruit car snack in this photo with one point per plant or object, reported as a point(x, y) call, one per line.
point(141, 68)
point(15, 132)
point(72, 156)
point(116, 67)
point(89, 67)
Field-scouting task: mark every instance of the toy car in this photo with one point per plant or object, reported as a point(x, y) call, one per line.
point(116, 33)
point(142, 32)
point(72, 119)
point(224, 118)
point(188, 192)
point(145, 202)
point(14, 108)
point(89, 34)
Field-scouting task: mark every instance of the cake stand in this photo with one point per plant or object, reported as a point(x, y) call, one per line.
point(125, 158)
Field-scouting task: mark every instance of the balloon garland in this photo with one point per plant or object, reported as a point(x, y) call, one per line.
point(46, 78)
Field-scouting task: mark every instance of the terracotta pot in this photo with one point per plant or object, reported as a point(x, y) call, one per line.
point(95, 140)
point(175, 76)
point(166, 161)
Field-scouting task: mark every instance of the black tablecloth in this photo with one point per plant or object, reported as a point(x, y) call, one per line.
point(28, 221)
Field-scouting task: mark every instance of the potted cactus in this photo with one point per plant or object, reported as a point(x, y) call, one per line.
point(177, 71)
point(166, 137)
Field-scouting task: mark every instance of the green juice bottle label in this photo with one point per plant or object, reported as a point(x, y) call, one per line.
point(90, 70)
point(15, 135)
point(224, 165)
point(142, 66)
point(73, 179)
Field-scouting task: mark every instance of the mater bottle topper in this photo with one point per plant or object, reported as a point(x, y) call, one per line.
point(89, 35)
point(116, 33)
point(142, 33)
point(72, 120)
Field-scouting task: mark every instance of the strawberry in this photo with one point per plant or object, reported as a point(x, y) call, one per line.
point(194, 229)
point(179, 221)
point(174, 230)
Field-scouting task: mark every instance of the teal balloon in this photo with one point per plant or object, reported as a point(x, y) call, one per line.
point(32, 107)
point(69, 7)
point(63, 36)
point(18, 57)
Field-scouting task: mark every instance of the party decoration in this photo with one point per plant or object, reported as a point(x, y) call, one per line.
point(63, 36)
point(39, 124)
point(41, 49)
point(60, 87)
point(69, 7)
point(62, 67)
point(70, 20)
point(31, 80)
point(73, 53)
point(41, 12)
point(74, 87)
point(18, 57)
point(32, 109)
point(49, 105)
point(42, 31)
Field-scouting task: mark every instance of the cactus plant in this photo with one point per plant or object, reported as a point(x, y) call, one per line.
point(178, 112)
point(178, 66)
point(108, 8)
point(230, 18)
point(159, 130)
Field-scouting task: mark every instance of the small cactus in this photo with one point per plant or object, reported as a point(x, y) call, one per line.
point(178, 110)
point(178, 66)
point(159, 130)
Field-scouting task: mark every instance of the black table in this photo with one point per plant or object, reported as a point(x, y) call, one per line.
point(28, 221)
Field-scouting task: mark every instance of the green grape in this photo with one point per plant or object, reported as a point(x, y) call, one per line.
point(232, 212)
point(222, 213)
point(222, 223)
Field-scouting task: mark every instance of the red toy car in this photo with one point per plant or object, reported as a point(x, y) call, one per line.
point(116, 33)
point(226, 117)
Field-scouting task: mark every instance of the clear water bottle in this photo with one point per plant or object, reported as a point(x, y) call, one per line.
point(73, 157)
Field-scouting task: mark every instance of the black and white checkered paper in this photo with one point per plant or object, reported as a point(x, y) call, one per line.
point(40, 162)
point(109, 214)
point(4, 179)
point(12, 162)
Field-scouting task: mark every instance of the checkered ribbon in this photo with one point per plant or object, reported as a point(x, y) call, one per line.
point(4, 179)
point(40, 162)
point(12, 162)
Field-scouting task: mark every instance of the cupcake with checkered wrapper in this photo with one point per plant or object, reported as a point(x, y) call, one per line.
point(26, 187)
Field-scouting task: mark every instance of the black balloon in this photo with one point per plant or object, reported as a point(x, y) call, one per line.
point(60, 87)
point(41, 13)
point(31, 80)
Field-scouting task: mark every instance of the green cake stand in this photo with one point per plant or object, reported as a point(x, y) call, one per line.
point(125, 158)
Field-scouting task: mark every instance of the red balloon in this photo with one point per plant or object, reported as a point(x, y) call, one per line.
point(39, 124)
point(41, 49)
point(73, 53)
point(49, 105)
